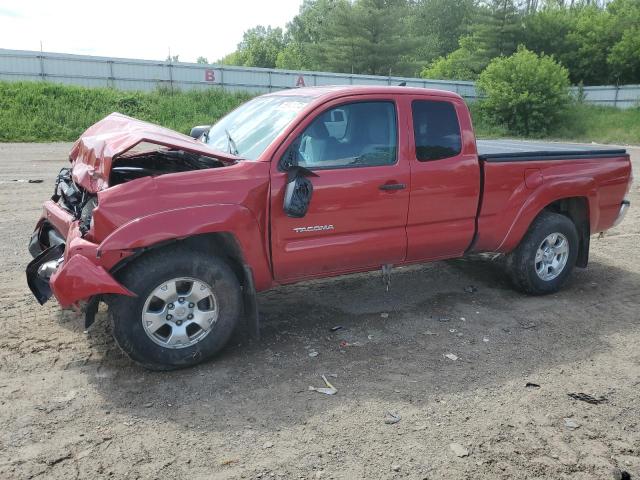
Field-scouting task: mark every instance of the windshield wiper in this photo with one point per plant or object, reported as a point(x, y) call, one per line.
point(231, 144)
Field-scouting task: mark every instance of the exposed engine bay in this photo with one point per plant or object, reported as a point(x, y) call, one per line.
point(80, 203)
point(74, 199)
point(158, 162)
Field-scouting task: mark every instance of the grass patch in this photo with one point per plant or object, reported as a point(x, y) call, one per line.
point(589, 123)
point(46, 112)
point(49, 112)
point(580, 123)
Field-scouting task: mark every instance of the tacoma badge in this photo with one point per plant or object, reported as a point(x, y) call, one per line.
point(314, 228)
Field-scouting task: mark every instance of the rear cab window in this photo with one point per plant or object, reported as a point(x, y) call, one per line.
point(436, 130)
point(358, 134)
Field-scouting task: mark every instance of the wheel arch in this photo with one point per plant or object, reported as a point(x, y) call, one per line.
point(222, 244)
point(577, 209)
point(578, 199)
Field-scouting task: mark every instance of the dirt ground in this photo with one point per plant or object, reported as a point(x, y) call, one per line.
point(71, 405)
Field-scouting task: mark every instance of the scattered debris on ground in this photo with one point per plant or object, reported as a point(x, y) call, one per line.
point(391, 418)
point(585, 397)
point(571, 424)
point(459, 450)
point(328, 390)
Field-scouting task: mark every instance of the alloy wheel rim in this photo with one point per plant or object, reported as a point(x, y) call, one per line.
point(180, 312)
point(551, 256)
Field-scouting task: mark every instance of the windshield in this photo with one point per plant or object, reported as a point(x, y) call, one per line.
point(249, 129)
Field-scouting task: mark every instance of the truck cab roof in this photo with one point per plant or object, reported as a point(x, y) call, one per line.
point(334, 91)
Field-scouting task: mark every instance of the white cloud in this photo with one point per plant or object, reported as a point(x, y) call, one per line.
point(137, 29)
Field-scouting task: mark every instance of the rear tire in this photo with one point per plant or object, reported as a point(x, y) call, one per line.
point(545, 257)
point(207, 293)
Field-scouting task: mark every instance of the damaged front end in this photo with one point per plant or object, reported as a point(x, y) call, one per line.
point(158, 162)
point(69, 203)
point(66, 243)
point(56, 269)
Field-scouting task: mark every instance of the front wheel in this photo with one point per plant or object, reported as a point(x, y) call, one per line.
point(546, 255)
point(187, 307)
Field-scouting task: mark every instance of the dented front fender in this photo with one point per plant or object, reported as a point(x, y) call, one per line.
point(180, 223)
point(80, 279)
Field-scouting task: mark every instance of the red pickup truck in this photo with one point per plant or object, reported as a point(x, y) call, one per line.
point(177, 233)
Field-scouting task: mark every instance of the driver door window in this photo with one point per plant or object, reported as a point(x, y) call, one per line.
point(354, 135)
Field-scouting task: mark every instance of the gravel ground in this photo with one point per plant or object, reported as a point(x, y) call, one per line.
point(73, 407)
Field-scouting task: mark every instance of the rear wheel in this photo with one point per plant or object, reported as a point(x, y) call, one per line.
point(546, 255)
point(187, 307)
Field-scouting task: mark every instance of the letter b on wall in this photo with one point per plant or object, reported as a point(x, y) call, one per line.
point(209, 75)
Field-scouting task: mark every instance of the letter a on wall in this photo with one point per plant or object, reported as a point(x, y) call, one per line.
point(300, 81)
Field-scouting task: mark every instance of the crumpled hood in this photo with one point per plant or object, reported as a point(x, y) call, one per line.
point(92, 155)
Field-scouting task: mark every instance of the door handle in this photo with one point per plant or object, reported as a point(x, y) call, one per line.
point(392, 186)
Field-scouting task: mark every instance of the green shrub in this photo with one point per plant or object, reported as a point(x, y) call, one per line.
point(525, 93)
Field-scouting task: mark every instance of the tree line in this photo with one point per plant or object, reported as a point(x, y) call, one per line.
point(598, 41)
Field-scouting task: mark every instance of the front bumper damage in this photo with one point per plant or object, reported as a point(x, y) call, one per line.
point(70, 271)
point(41, 268)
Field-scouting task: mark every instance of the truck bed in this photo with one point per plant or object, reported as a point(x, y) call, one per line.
point(520, 178)
point(520, 150)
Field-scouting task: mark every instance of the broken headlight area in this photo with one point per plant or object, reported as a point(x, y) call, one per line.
point(44, 237)
point(74, 198)
point(158, 162)
point(86, 214)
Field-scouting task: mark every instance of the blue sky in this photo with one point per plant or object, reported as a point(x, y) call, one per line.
point(137, 29)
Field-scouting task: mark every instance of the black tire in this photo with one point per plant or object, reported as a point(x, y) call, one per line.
point(521, 264)
point(146, 274)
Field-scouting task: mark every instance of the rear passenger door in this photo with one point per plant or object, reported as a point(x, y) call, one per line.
point(445, 179)
point(357, 215)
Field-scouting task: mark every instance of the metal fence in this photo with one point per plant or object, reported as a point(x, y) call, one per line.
point(145, 75)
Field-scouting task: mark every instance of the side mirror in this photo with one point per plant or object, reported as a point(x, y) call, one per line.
point(200, 130)
point(291, 157)
point(298, 192)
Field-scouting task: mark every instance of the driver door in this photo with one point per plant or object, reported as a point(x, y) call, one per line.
point(357, 214)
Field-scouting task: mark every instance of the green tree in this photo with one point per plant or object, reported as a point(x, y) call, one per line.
point(259, 48)
point(293, 57)
point(624, 58)
point(308, 32)
point(461, 64)
point(438, 25)
point(598, 45)
point(498, 30)
point(368, 36)
point(496, 33)
point(624, 55)
point(525, 92)
point(202, 60)
point(546, 30)
point(589, 44)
